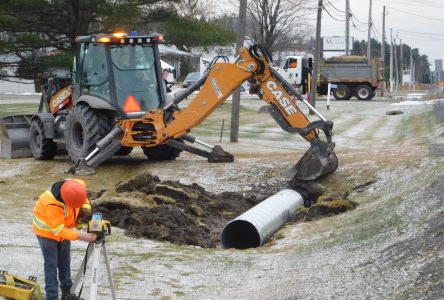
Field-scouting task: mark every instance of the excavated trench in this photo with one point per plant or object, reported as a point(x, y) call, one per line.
point(147, 207)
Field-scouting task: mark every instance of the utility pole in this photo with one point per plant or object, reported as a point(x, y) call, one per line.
point(369, 30)
point(391, 59)
point(401, 62)
point(234, 127)
point(395, 52)
point(347, 27)
point(383, 52)
point(314, 79)
point(411, 68)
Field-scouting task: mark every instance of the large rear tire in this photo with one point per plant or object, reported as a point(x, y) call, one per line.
point(84, 128)
point(161, 152)
point(342, 92)
point(42, 148)
point(364, 92)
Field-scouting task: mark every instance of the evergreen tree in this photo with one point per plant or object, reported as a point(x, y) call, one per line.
point(37, 35)
point(188, 32)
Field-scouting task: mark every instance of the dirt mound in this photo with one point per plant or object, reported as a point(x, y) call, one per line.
point(324, 207)
point(320, 202)
point(182, 214)
point(173, 212)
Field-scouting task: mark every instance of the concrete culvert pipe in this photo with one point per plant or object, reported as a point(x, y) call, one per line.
point(254, 227)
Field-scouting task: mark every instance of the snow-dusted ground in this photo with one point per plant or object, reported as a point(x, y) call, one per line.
point(389, 247)
point(17, 86)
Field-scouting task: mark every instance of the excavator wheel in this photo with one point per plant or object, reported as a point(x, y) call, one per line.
point(42, 148)
point(84, 128)
point(161, 152)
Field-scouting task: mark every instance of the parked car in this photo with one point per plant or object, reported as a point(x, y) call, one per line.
point(190, 79)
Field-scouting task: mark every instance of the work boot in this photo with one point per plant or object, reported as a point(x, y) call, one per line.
point(69, 296)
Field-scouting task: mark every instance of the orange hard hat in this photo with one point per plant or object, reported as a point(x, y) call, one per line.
point(83, 183)
point(73, 193)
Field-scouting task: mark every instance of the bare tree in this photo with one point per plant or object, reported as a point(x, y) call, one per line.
point(276, 23)
point(300, 40)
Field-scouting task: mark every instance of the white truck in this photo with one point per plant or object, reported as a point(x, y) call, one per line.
point(295, 70)
point(352, 75)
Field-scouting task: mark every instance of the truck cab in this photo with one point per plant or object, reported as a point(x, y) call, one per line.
point(295, 69)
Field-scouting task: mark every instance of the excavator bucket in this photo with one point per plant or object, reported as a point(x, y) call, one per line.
point(318, 161)
point(14, 136)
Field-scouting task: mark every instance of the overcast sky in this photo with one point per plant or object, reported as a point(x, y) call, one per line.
point(419, 23)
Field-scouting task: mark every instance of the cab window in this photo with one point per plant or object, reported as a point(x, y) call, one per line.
point(95, 79)
point(77, 65)
point(284, 64)
point(292, 63)
point(135, 74)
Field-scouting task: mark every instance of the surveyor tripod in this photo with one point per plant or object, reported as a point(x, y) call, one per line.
point(93, 251)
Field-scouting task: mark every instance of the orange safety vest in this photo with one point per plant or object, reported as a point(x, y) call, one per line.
point(53, 220)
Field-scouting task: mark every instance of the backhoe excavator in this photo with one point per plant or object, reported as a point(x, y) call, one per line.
point(116, 100)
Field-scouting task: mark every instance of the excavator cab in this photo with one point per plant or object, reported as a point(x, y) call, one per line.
point(120, 70)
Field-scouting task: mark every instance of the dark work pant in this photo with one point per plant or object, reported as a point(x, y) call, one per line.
point(57, 255)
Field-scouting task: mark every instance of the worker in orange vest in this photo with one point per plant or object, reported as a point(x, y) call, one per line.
point(55, 215)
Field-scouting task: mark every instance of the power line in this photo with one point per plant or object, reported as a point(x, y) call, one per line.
point(376, 35)
point(428, 2)
point(356, 19)
point(417, 36)
point(376, 29)
point(421, 33)
point(331, 15)
point(409, 13)
point(417, 3)
point(334, 7)
point(337, 14)
point(356, 27)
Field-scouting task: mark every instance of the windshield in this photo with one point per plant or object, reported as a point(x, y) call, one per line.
point(192, 76)
point(135, 76)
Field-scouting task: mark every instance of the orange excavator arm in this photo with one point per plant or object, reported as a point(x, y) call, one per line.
point(222, 79)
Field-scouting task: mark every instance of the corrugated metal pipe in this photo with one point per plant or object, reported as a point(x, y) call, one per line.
point(254, 227)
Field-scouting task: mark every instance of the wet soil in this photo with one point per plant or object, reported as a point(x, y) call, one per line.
point(170, 211)
point(320, 201)
point(147, 207)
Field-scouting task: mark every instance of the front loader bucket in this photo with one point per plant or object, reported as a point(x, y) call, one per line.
point(14, 136)
point(318, 161)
